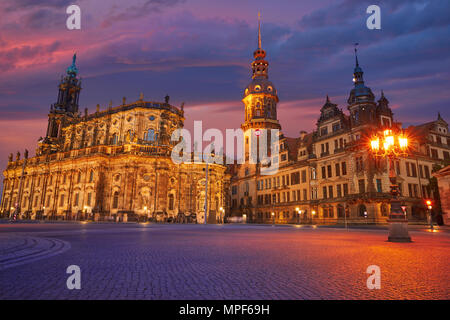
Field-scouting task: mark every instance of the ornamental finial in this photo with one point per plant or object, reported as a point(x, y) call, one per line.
point(259, 30)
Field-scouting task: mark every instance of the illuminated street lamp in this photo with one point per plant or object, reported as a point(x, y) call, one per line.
point(392, 144)
point(430, 207)
point(222, 214)
point(273, 218)
point(299, 212)
point(313, 213)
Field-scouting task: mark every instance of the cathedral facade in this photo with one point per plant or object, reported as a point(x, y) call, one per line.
point(113, 164)
point(329, 176)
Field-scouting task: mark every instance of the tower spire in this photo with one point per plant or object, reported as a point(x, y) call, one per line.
point(259, 30)
point(356, 54)
point(72, 69)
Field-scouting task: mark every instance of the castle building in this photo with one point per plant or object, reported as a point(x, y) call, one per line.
point(111, 164)
point(328, 175)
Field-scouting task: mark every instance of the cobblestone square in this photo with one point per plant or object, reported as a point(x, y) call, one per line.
point(157, 261)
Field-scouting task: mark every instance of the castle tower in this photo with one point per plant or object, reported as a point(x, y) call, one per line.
point(361, 102)
point(260, 98)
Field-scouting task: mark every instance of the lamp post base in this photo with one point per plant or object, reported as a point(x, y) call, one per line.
point(398, 231)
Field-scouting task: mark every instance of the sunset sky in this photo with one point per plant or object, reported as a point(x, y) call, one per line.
point(199, 52)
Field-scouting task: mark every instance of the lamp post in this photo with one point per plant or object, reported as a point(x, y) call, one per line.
point(299, 212)
point(273, 218)
point(392, 144)
point(222, 214)
point(206, 185)
point(313, 213)
point(429, 208)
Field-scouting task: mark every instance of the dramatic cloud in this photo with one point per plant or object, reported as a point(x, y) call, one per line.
point(199, 52)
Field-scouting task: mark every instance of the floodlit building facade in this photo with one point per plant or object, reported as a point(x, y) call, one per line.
point(111, 164)
point(329, 175)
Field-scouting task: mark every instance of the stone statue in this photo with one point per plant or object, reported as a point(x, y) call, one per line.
point(26, 154)
point(17, 156)
point(167, 98)
point(10, 157)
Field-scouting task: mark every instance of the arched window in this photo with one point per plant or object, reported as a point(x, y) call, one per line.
point(115, 200)
point(150, 135)
point(362, 210)
point(114, 138)
point(91, 176)
point(171, 201)
point(79, 177)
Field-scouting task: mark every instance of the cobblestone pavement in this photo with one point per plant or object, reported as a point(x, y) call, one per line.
point(136, 261)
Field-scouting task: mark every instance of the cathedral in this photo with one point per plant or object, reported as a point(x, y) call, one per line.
point(113, 164)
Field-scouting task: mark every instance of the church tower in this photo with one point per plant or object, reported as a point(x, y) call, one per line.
point(65, 108)
point(260, 98)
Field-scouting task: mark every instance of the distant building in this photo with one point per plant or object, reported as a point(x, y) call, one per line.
point(328, 174)
point(113, 163)
point(443, 178)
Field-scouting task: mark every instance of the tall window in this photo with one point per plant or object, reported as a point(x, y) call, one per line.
point(77, 199)
point(362, 186)
point(115, 200)
point(150, 135)
point(379, 187)
point(114, 138)
point(340, 211)
point(61, 200)
point(345, 186)
point(344, 168)
point(171, 201)
point(91, 176)
point(89, 198)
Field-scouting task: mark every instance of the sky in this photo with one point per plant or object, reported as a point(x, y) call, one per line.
point(199, 52)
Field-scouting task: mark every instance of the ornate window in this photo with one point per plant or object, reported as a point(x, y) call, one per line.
point(115, 200)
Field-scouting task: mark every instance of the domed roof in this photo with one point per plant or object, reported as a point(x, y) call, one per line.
point(260, 85)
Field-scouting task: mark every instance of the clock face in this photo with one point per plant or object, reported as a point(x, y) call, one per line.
point(152, 118)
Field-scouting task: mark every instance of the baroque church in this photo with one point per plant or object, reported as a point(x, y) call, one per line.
point(113, 164)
